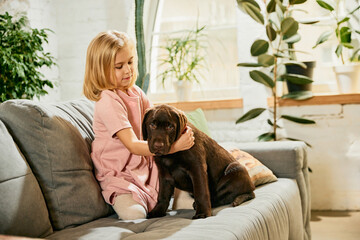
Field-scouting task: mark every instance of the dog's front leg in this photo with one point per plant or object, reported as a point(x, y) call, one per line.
point(166, 190)
point(201, 192)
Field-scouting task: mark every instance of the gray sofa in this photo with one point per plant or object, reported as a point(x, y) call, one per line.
point(48, 189)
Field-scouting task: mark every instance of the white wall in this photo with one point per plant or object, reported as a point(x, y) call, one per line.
point(78, 22)
point(75, 24)
point(334, 156)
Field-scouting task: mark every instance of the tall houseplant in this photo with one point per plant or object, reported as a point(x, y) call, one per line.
point(182, 59)
point(21, 58)
point(347, 50)
point(272, 56)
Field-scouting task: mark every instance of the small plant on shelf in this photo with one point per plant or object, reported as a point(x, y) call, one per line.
point(347, 50)
point(183, 57)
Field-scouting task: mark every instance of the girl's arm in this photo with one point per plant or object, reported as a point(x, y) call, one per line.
point(140, 147)
point(132, 143)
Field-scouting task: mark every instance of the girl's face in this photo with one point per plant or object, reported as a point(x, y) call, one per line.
point(124, 67)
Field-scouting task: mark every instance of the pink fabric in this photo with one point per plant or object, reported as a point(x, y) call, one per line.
point(117, 170)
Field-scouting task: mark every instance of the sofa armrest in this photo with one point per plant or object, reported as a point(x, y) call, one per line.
point(287, 159)
point(284, 158)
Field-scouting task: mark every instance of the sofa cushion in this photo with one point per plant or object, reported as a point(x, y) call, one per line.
point(22, 206)
point(197, 118)
point(56, 141)
point(275, 213)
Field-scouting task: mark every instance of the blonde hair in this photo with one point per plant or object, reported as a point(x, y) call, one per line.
point(100, 62)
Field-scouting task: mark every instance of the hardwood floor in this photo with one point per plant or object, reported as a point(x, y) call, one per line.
point(335, 225)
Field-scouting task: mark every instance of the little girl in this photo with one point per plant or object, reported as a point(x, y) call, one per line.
point(123, 164)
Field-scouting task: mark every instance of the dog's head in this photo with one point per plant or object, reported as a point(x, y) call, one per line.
point(162, 126)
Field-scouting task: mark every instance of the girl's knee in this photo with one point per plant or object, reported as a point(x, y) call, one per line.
point(127, 208)
point(132, 213)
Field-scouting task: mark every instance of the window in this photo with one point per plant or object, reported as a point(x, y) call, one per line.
point(324, 54)
point(221, 78)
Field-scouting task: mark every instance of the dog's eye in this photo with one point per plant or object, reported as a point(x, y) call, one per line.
point(152, 125)
point(170, 127)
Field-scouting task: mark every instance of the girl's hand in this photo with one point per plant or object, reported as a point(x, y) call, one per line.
point(185, 142)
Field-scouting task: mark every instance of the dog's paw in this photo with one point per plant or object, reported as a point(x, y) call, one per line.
point(243, 198)
point(200, 215)
point(155, 214)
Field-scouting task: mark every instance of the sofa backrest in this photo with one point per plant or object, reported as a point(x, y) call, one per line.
point(22, 206)
point(56, 142)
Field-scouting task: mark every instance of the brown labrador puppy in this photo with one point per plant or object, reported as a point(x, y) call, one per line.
point(207, 171)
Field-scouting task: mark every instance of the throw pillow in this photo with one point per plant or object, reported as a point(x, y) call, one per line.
point(23, 210)
point(197, 118)
point(55, 139)
point(258, 172)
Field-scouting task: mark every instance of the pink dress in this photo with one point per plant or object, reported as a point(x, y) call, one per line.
point(117, 170)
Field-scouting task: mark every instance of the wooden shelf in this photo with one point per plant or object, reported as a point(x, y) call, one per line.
point(353, 98)
point(207, 105)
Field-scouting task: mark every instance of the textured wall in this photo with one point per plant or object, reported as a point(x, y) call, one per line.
point(75, 24)
point(334, 156)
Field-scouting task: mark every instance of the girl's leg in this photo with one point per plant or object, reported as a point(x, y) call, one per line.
point(127, 208)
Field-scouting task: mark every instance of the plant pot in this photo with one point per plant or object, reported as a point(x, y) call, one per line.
point(347, 78)
point(183, 90)
point(308, 72)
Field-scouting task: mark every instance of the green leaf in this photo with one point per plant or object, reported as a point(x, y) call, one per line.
point(249, 65)
point(253, 113)
point(293, 2)
point(259, 47)
point(345, 35)
point(280, 7)
point(270, 32)
point(308, 21)
point(261, 77)
point(325, 5)
point(272, 124)
point(291, 62)
point(252, 9)
point(353, 57)
point(271, 6)
point(355, 9)
point(348, 45)
point(298, 120)
point(299, 95)
point(339, 50)
point(266, 137)
point(266, 60)
point(289, 27)
point(296, 78)
point(345, 19)
point(293, 39)
point(323, 38)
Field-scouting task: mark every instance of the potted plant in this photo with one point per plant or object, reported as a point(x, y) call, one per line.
point(21, 57)
point(273, 54)
point(182, 60)
point(290, 42)
point(347, 48)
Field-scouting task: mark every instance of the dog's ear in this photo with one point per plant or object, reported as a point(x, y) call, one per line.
point(148, 113)
point(182, 121)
